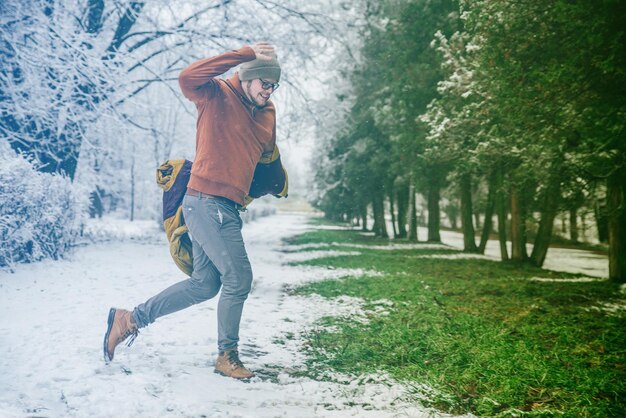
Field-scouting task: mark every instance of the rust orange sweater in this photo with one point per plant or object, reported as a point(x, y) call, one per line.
point(231, 132)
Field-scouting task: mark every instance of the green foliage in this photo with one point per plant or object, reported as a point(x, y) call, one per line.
point(532, 91)
point(485, 337)
point(393, 83)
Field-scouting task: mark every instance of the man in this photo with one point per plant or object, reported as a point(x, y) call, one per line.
point(236, 126)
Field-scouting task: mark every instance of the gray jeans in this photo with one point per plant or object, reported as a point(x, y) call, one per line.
point(219, 260)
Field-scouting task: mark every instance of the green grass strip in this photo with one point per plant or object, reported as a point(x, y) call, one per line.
point(485, 337)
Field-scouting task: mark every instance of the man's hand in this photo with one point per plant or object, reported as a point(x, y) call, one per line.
point(264, 51)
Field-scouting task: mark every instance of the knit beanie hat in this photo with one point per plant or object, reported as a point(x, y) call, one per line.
point(260, 69)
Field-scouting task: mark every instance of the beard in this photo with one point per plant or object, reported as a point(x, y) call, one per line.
point(257, 99)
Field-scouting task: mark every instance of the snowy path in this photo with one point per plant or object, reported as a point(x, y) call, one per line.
point(54, 317)
point(558, 259)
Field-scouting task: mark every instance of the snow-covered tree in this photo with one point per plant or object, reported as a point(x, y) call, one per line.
point(89, 89)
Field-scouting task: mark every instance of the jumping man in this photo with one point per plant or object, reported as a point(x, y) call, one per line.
point(236, 126)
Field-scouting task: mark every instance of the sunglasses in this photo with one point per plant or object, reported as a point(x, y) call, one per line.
point(265, 85)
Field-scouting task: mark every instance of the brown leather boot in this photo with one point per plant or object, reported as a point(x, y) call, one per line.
point(229, 365)
point(119, 327)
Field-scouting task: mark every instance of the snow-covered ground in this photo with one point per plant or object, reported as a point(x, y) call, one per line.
point(54, 317)
point(558, 259)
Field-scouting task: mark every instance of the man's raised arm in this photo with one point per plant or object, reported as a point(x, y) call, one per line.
point(196, 80)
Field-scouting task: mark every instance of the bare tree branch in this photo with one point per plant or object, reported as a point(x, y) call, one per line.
point(125, 24)
point(143, 61)
point(95, 11)
point(176, 29)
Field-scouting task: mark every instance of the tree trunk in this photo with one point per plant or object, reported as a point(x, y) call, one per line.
point(573, 225)
point(501, 211)
point(583, 225)
point(524, 197)
point(403, 202)
point(363, 215)
point(376, 224)
point(434, 215)
point(453, 223)
point(601, 221)
point(412, 212)
point(469, 240)
point(380, 227)
point(392, 210)
point(616, 205)
point(516, 227)
point(96, 206)
point(548, 214)
point(488, 223)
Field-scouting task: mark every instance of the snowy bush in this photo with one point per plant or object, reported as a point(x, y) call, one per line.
point(39, 214)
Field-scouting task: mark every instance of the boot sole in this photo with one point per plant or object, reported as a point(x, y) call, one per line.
point(232, 377)
point(110, 321)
